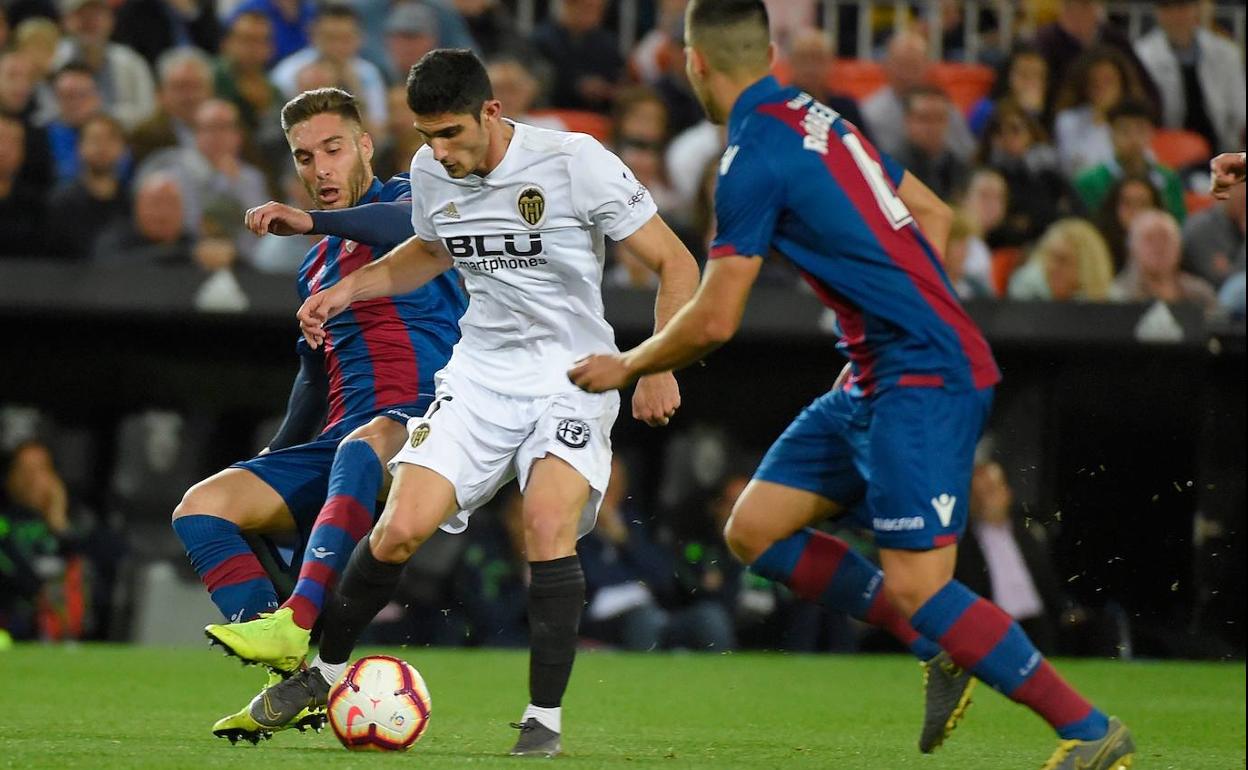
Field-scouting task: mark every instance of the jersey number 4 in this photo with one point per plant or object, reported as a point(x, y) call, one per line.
point(894, 210)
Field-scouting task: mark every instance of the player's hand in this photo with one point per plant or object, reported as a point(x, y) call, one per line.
point(656, 399)
point(318, 309)
point(1228, 171)
point(600, 373)
point(278, 219)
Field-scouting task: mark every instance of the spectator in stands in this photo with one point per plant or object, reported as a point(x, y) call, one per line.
point(86, 206)
point(1199, 75)
point(17, 99)
point(411, 32)
point(585, 57)
point(241, 75)
point(290, 21)
point(1006, 558)
point(1070, 263)
point(185, 76)
point(925, 149)
point(639, 136)
point(38, 37)
point(811, 63)
point(1131, 125)
point(967, 261)
point(626, 573)
point(214, 167)
point(1015, 145)
point(336, 39)
point(42, 589)
point(1080, 27)
point(1127, 199)
point(21, 208)
point(123, 77)
point(77, 98)
point(157, 232)
point(1097, 83)
point(1155, 251)
point(1213, 239)
point(516, 87)
point(1232, 297)
point(394, 150)
point(1024, 79)
point(491, 26)
point(986, 206)
point(907, 67)
point(152, 27)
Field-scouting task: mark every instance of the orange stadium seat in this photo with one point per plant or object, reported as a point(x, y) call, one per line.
point(966, 84)
point(1179, 149)
point(597, 126)
point(856, 78)
point(1197, 201)
point(1005, 261)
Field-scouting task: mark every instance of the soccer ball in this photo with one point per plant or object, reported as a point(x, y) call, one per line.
point(380, 704)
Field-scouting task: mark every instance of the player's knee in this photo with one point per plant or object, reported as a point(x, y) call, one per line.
point(907, 591)
point(382, 434)
point(394, 541)
point(548, 534)
point(746, 541)
point(203, 499)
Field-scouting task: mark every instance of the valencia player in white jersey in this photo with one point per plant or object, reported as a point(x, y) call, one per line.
point(522, 213)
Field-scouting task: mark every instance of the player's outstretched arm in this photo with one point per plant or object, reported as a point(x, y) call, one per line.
point(406, 268)
point(932, 214)
point(1227, 170)
point(385, 222)
point(710, 320)
point(657, 396)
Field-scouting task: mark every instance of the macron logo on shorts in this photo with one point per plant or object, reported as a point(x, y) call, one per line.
point(904, 524)
point(944, 507)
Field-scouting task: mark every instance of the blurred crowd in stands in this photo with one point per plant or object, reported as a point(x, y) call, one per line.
point(137, 131)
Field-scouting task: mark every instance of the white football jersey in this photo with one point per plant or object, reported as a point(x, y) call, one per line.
point(528, 240)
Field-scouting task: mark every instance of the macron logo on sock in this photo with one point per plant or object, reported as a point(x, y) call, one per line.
point(321, 552)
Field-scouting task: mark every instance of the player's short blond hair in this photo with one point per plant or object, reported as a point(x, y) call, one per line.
point(320, 101)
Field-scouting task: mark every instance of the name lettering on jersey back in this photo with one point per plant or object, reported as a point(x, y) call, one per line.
point(817, 123)
point(488, 253)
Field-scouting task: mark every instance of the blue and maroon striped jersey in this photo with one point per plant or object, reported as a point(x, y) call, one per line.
point(799, 180)
point(382, 352)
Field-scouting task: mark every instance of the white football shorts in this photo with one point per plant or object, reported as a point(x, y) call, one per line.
point(479, 440)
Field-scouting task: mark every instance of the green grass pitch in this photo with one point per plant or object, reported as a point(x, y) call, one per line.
point(126, 707)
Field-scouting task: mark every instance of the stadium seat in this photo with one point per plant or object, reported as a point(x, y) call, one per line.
point(1179, 149)
point(966, 84)
point(1197, 201)
point(592, 123)
point(1004, 262)
point(856, 78)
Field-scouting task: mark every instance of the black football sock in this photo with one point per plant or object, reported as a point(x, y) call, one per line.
point(366, 585)
point(556, 597)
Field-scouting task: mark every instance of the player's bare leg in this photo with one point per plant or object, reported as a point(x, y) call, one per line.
point(981, 638)
point(419, 501)
point(211, 519)
point(554, 498)
point(767, 530)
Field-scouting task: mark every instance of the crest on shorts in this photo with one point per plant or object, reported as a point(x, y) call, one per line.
point(419, 434)
point(572, 433)
point(532, 205)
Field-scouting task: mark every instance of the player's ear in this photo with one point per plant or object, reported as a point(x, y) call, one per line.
point(695, 63)
point(772, 55)
point(366, 146)
point(491, 109)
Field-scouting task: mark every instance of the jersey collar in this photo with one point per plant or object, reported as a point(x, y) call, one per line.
point(372, 194)
point(759, 92)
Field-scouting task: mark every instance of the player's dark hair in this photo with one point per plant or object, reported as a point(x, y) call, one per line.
point(732, 34)
point(448, 80)
point(725, 13)
point(318, 102)
point(1132, 108)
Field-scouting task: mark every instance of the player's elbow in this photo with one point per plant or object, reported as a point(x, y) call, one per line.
point(718, 329)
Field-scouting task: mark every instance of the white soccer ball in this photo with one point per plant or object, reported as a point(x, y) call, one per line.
point(380, 704)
